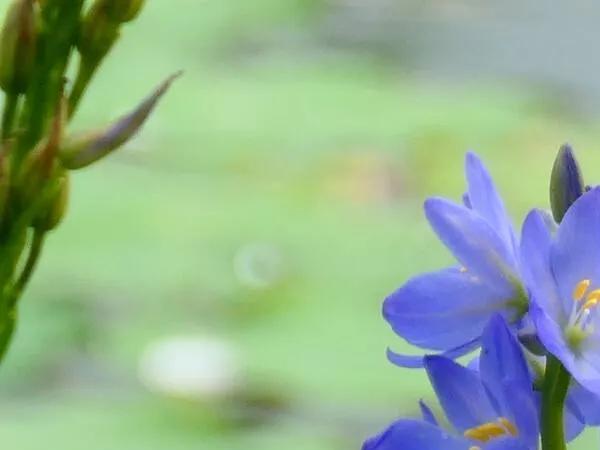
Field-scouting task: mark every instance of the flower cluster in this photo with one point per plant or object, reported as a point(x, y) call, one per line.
point(529, 302)
point(40, 40)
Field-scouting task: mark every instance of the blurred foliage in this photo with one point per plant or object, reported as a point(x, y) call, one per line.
point(321, 155)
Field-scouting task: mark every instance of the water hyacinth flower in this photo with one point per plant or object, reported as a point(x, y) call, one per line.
point(490, 409)
point(446, 310)
point(582, 408)
point(562, 271)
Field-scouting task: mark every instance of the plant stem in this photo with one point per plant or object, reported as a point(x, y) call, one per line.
point(554, 393)
point(8, 115)
point(84, 76)
point(35, 251)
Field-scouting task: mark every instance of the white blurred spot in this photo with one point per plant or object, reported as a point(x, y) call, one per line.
point(190, 366)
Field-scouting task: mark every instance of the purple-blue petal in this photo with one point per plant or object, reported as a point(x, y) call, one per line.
point(415, 435)
point(583, 366)
point(575, 253)
point(523, 411)
point(574, 425)
point(485, 199)
point(502, 361)
point(506, 376)
point(473, 241)
point(417, 362)
point(427, 413)
point(507, 444)
point(587, 404)
point(443, 310)
point(460, 392)
point(536, 242)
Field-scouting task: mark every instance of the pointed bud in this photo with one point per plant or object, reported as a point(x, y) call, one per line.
point(122, 11)
point(566, 182)
point(98, 32)
point(18, 46)
point(53, 211)
point(82, 150)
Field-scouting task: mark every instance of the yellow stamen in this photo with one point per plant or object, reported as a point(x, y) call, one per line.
point(491, 430)
point(589, 304)
point(474, 448)
point(485, 432)
point(581, 289)
point(594, 295)
point(510, 427)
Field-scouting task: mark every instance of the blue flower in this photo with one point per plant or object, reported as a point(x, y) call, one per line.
point(562, 271)
point(446, 310)
point(582, 408)
point(492, 409)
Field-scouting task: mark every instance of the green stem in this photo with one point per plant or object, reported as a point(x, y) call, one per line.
point(84, 76)
point(556, 384)
point(35, 251)
point(8, 115)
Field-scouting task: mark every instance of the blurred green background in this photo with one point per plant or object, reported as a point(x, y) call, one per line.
point(217, 284)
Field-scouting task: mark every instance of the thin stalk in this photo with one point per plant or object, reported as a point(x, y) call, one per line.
point(35, 250)
point(554, 393)
point(85, 73)
point(8, 115)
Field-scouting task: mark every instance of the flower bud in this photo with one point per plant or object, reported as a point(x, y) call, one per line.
point(566, 182)
point(82, 150)
point(18, 46)
point(122, 11)
point(53, 210)
point(99, 31)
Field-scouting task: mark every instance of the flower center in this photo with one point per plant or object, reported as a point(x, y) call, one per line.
point(580, 324)
point(491, 430)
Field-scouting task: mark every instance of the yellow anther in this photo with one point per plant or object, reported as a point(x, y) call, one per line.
point(589, 304)
point(485, 432)
point(510, 427)
point(594, 295)
point(581, 289)
point(491, 430)
point(474, 448)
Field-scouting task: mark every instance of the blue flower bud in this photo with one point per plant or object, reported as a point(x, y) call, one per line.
point(566, 182)
point(81, 150)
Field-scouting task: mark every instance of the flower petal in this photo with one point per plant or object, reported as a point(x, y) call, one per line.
point(584, 367)
point(508, 444)
point(460, 393)
point(574, 426)
point(445, 309)
point(536, 242)
point(485, 199)
point(506, 376)
point(587, 403)
point(502, 361)
point(473, 242)
point(575, 254)
point(427, 414)
point(414, 435)
point(416, 362)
